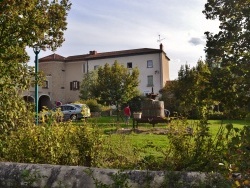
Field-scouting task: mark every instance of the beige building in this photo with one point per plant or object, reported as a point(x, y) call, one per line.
point(64, 74)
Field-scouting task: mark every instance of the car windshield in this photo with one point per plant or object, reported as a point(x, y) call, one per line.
point(78, 106)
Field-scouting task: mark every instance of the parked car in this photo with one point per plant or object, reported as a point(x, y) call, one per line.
point(74, 111)
point(84, 108)
point(66, 112)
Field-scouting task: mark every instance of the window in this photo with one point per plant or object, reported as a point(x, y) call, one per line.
point(149, 64)
point(75, 85)
point(96, 67)
point(129, 65)
point(45, 84)
point(67, 108)
point(150, 81)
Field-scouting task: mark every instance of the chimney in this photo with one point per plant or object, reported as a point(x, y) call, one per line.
point(161, 47)
point(93, 52)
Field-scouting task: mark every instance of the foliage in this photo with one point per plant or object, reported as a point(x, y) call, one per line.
point(116, 84)
point(62, 143)
point(191, 147)
point(224, 79)
point(228, 54)
point(237, 157)
point(189, 95)
point(87, 85)
point(187, 146)
point(167, 95)
point(93, 105)
point(216, 115)
point(25, 24)
point(135, 103)
point(50, 117)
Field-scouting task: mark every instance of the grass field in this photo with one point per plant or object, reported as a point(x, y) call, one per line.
point(112, 122)
point(150, 143)
point(109, 124)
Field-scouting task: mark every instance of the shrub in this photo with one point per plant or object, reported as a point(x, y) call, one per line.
point(93, 105)
point(135, 103)
point(247, 116)
point(62, 144)
point(237, 157)
point(217, 115)
point(191, 147)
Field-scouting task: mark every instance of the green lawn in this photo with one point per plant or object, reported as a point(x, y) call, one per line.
point(151, 144)
point(112, 122)
point(108, 124)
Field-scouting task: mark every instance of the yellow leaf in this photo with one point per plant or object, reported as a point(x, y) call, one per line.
point(237, 183)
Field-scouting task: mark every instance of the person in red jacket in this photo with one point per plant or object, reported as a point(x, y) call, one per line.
point(127, 114)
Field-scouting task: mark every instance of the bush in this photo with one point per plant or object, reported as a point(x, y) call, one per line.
point(216, 116)
point(191, 147)
point(93, 105)
point(135, 103)
point(237, 157)
point(62, 144)
point(238, 113)
point(247, 116)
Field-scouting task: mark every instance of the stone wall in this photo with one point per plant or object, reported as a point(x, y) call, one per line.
point(44, 175)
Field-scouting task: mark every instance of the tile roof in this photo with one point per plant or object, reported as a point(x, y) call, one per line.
point(52, 57)
point(94, 55)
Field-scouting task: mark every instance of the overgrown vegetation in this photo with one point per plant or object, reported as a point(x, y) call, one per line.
point(63, 143)
point(188, 147)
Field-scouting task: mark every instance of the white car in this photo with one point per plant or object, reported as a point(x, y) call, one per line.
point(85, 110)
point(74, 111)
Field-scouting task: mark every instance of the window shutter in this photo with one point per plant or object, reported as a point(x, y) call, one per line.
point(78, 85)
point(71, 85)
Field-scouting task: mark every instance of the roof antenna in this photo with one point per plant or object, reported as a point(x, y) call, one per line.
point(159, 40)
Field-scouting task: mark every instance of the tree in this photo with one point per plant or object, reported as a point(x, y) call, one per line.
point(25, 23)
point(87, 85)
point(228, 52)
point(116, 84)
point(189, 95)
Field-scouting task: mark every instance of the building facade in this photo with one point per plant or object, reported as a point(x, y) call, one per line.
point(64, 74)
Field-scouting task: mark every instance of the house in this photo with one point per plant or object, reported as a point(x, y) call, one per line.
point(64, 74)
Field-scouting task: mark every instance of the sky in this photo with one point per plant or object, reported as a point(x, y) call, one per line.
point(114, 25)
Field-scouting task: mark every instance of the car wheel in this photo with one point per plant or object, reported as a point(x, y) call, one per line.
point(73, 117)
